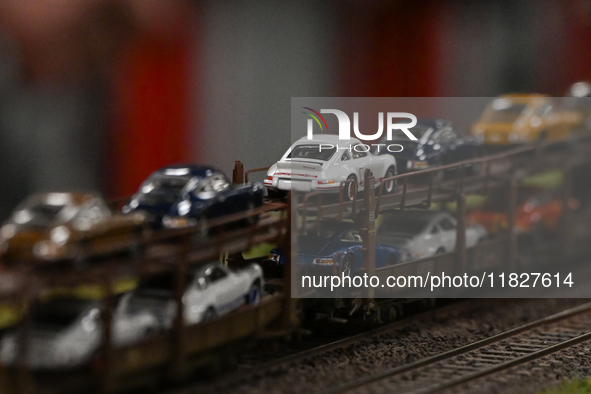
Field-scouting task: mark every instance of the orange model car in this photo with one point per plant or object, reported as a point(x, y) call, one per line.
point(514, 119)
point(66, 226)
point(535, 207)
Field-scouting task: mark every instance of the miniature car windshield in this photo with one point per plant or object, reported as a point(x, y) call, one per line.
point(165, 183)
point(311, 152)
point(401, 226)
point(57, 314)
point(41, 214)
point(505, 111)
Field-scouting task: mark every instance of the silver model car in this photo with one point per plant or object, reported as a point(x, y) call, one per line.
point(425, 233)
point(66, 332)
point(212, 290)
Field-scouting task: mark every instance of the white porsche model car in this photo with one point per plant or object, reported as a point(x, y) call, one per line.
point(210, 291)
point(422, 234)
point(65, 332)
point(321, 164)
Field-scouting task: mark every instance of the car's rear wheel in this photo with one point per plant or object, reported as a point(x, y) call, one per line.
point(350, 188)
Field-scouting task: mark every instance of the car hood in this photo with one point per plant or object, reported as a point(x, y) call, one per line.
point(396, 240)
point(157, 201)
point(315, 246)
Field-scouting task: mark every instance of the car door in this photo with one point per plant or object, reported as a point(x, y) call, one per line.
point(362, 161)
point(352, 243)
point(431, 241)
point(220, 289)
point(448, 233)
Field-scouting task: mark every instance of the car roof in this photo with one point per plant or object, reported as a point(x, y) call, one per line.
point(328, 139)
point(195, 170)
point(61, 198)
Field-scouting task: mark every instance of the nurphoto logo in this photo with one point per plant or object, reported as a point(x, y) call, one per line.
point(345, 128)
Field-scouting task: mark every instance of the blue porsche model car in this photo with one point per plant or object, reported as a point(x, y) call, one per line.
point(336, 244)
point(186, 195)
point(439, 143)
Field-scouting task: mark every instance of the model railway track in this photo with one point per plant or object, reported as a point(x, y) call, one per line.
point(263, 363)
point(486, 357)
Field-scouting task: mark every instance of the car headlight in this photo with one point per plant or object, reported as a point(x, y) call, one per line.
point(323, 261)
point(60, 235)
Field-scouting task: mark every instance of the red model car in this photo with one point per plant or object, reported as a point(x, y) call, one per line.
point(535, 207)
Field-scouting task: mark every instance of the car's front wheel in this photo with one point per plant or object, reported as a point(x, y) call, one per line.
point(390, 185)
point(347, 265)
point(209, 314)
point(254, 294)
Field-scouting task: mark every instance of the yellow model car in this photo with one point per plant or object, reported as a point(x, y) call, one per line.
point(522, 118)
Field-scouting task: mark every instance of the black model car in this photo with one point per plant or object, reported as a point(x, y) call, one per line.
point(438, 143)
point(186, 195)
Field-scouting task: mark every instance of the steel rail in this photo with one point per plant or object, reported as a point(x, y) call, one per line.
point(389, 373)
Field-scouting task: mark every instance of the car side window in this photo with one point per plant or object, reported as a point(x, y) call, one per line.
point(219, 182)
point(446, 224)
point(205, 189)
point(358, 155)
point(352, 236)
point(435, 229)
point(446, 135)
point(215, 273)
point(346, 156)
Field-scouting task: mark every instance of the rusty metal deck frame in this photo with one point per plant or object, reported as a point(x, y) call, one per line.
point(501, 169)
point(169, 354)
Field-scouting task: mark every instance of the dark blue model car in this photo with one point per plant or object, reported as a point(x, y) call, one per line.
point(439, 143)
point(186, 195)
point(336, 244)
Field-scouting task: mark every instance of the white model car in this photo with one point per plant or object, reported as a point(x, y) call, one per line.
point(66, 332)
point(425, 233)
point(210, 291)
point(321, 164)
